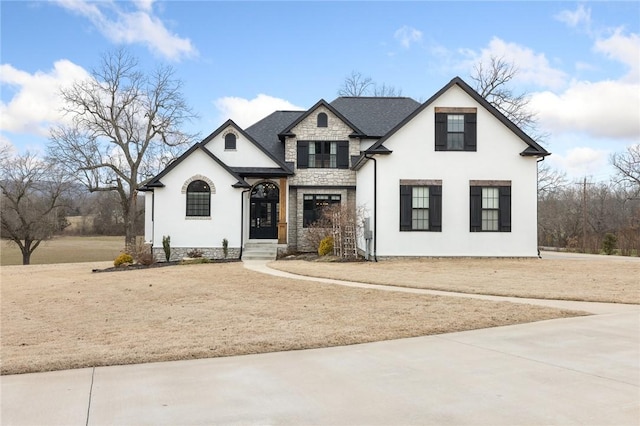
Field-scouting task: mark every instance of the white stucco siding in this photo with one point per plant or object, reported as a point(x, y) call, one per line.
point(246, 154)
point(170, 206)
point(148, 217)
point(414, 157)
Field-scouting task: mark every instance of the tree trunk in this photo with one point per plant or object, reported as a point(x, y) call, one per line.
point(130, 213)
point(26, 252)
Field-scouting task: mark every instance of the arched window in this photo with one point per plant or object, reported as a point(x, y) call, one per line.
point(230, 141)
point(198, 199)
point(322, 120)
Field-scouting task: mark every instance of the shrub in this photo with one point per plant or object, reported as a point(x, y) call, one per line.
point(145, 258)
point(166, 246)
point(609, 243)
point(225, 247)
point(326, 246)
point(124, 258)
point(141, 252)
point(195, 253)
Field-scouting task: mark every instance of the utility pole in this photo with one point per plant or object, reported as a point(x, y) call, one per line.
point(584, 215)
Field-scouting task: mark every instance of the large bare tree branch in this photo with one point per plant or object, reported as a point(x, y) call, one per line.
point(122, 122)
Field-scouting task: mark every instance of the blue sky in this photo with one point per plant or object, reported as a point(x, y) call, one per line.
point(580, 61)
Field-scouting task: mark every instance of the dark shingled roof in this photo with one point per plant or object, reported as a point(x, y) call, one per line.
point(375, 116)
point(266, 131)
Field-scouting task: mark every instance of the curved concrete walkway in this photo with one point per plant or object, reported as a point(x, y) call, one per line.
point(591, 307)
point(573, 371)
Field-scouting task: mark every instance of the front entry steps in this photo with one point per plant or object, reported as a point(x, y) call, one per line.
point(260, 250)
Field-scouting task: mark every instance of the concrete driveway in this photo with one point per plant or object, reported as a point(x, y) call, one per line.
point(582, 371)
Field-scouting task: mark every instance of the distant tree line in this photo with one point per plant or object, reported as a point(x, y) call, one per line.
point(593, 217)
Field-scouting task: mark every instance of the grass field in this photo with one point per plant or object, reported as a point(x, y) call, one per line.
point(65, 250)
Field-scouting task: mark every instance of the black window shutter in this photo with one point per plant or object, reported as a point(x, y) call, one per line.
point(505, 209)
point(475, 209)
point(441, 131)
point(405, 207)
point(343, 154)
point(470, 132)
point(435, 208)
point(303, 154)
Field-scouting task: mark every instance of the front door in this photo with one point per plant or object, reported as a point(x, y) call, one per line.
point(263, 222)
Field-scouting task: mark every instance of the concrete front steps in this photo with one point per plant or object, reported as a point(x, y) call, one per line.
point(260, 250)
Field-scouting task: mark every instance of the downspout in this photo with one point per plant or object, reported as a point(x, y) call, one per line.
point(539, 160)
point(242, 220)
point(375, 206)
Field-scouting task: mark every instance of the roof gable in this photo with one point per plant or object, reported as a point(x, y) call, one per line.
point(321, 102)
point(533, 149)
point(230, 123)
point(155, 182)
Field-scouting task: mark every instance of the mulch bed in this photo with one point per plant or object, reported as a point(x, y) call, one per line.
point(137, 266)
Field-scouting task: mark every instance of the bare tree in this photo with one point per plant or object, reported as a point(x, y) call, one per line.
point(357, 85)
point(383, 90)
point(549, 180)
point(125, 125)
point(492, 83)
point(33, 197)
point(627, 165)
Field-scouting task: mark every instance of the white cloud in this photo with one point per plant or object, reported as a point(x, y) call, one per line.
point(581, 161)
point(246, 112)
point(574, 18)
point(622, 48)
point(37, 102)
point(407, 35)
point(532, 67)
point(601, 109)
point(138, 26)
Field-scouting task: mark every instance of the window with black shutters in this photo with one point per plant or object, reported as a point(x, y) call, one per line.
point(421, 208)
point(490, 208)
point(323, 154)
point(455, 131)
point(198, 199)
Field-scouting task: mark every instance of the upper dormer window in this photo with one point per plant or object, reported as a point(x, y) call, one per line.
point(455, 129)
point(230, 141)
point(322, 120)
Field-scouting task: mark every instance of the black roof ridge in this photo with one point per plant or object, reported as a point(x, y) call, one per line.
point(375, 97)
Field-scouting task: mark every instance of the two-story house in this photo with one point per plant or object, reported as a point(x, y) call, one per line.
point(449, 177)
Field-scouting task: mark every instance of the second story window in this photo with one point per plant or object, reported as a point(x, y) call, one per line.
point(322, 120)
point(323, 154)
point(455, 129)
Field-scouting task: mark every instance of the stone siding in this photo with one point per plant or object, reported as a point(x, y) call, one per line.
point(179, 253)
point(316, 180)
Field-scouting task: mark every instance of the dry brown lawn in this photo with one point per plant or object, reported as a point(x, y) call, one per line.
point(65, 249)
point(64, 316)
point(601, 280)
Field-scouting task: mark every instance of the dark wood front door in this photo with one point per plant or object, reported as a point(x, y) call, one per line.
point(263, 221)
